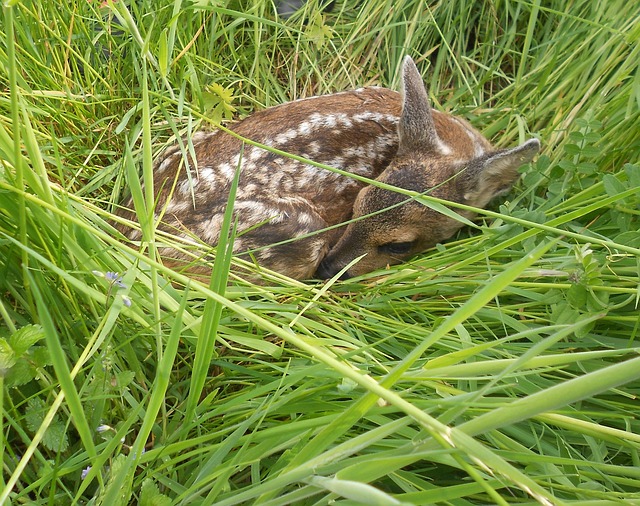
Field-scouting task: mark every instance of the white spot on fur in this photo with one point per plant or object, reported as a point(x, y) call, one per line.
point(210, 230)
point(325, 120)
point(178, 207)
point(305, 219)
point(166, 162)
point(238, 245)
point(444, 149)
point(478, 144)
point(265, 254)
point(135, 235)
point(314, 148)
point(377, 117)
point(187, 186)
point(345, 120)
point(207, 174)
point(257, 212)
point(316, 118)
point(382, 143)
point(228, 170)
point(342, 183)
point(304, 129)
point(337, 162)
point(248, 190)
point(202, 135)
point(253, 154)
point(285, 137)
point(361, 170)
point(358, 152)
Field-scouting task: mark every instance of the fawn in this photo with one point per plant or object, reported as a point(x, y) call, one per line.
point(372, 132)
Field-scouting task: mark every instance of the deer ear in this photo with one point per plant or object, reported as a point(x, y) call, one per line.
point(416, 129)
point(493, 174)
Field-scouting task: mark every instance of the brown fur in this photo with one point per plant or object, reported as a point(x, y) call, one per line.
point(372, 132)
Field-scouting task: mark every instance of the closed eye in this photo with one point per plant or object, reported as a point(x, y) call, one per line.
point(396, 248)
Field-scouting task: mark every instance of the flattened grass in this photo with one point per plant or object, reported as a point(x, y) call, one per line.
point(499, 368)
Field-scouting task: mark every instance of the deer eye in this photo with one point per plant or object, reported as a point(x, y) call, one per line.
point(396, 248)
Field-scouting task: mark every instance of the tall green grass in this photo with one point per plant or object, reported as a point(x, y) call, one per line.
point(499, 368)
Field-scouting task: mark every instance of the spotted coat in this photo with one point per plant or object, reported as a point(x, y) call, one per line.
point(280, 200)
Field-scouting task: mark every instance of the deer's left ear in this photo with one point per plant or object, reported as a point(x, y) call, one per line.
point(416, 129)
point(493, 174)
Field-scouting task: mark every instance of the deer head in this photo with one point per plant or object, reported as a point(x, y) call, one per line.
point(439, 155)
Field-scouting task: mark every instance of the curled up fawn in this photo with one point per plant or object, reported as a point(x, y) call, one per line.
point(396, 139)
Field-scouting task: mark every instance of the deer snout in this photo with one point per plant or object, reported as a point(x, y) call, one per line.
point(328, 269)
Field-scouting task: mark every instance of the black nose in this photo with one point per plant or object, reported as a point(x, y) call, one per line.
point(326, 271)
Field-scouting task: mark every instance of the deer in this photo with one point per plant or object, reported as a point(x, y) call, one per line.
point(288, 212)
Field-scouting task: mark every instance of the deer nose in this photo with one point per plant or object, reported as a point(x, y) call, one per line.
point(326, 270)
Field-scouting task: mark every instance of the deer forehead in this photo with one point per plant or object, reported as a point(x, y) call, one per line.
point(410, 222)
point(432, 174)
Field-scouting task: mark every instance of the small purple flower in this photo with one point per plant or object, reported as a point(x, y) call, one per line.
point(85, 472)
point(115, 283)
point(115, 279)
